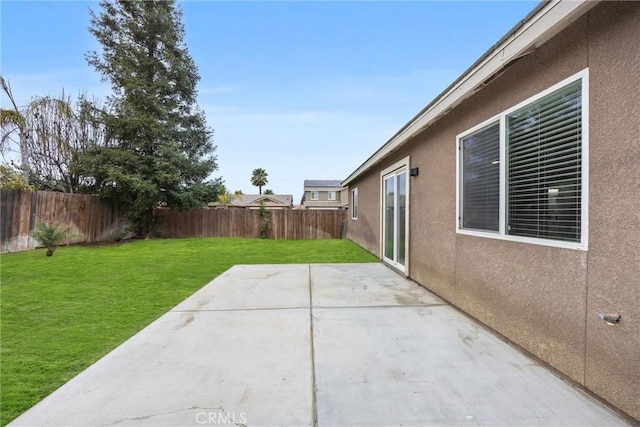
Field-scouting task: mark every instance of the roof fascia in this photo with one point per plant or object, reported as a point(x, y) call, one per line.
point(266, 199)
point(544, 22)
point(339, 188)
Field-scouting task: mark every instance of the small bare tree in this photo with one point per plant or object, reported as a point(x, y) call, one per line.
point(62, 132)
point(12, 121)
point(52, 133)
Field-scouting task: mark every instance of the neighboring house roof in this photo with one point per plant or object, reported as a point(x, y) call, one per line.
point(544, 22)
point(253, 200)
point(322, 183)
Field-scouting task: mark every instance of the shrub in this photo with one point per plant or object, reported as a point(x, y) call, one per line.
point(11, 178)
point(120, 235)
point(51, 235)
point(264, 225)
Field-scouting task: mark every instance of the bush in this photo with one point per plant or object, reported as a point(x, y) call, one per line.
point(264, 225)
point(120, 235)
point(11, 178)
point(51, 235)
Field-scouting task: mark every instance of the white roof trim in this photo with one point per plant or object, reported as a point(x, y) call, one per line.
point(324, 189)
point(542, 24)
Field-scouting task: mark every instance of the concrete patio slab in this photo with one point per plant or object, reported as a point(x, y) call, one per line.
point(431, 366)
point(194, 368)
point(254, 287)
point(327, 345)
point(373, 284)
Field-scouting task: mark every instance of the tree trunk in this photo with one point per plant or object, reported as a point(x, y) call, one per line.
point(147, 228)
point(24, 158)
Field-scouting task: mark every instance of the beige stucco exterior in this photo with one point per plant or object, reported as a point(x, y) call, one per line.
point(323, 201)
point(545, 299)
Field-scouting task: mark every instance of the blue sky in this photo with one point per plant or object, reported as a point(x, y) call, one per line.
point(305, 90)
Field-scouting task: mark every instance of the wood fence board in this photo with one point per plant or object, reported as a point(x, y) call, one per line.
point(94, 220)
point(90, 218)
point(245, 223)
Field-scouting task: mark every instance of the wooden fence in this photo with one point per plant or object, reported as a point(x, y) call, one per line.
point(94, 220)
point(90, 218)
point(283, 224)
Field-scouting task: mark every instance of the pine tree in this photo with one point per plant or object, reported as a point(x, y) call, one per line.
point(162, 149)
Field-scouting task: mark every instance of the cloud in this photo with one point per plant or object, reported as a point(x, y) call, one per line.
point(314, 129)
point(74, 81)
point(321, 128)
point(293, 145)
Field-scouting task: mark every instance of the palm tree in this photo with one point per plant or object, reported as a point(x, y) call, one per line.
point(267, 191)
point(259, 178)
point(51, 235)
point(225, 198)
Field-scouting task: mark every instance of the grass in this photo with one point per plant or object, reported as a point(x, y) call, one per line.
point(62, 313)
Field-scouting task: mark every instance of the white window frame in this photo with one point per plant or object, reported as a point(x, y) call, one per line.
point(317, 195)
point(501, 118)
point(459, 182)
point(354, 203)
point(331, 195)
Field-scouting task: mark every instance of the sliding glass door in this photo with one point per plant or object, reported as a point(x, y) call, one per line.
point(394, 222)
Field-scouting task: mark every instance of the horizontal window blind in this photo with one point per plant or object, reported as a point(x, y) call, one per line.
point(544, 149)
point(481, 179)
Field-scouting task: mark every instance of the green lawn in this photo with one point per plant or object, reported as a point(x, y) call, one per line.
point(62, 313)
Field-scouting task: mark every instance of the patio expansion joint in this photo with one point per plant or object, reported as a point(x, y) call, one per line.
point(213, 310)
point(314, 405)
point(341, 307)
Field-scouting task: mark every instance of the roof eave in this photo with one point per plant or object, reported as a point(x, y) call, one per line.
point(544, 22)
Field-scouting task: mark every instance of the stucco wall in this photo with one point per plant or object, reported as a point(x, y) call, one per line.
point(613, 353)
point(365, 230)
point(545, 299)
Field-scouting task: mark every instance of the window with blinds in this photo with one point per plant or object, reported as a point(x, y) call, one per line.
point(521, 173)
point(544, 166)
point(481, 179)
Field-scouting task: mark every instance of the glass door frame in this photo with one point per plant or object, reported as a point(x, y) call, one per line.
point(396, 169)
